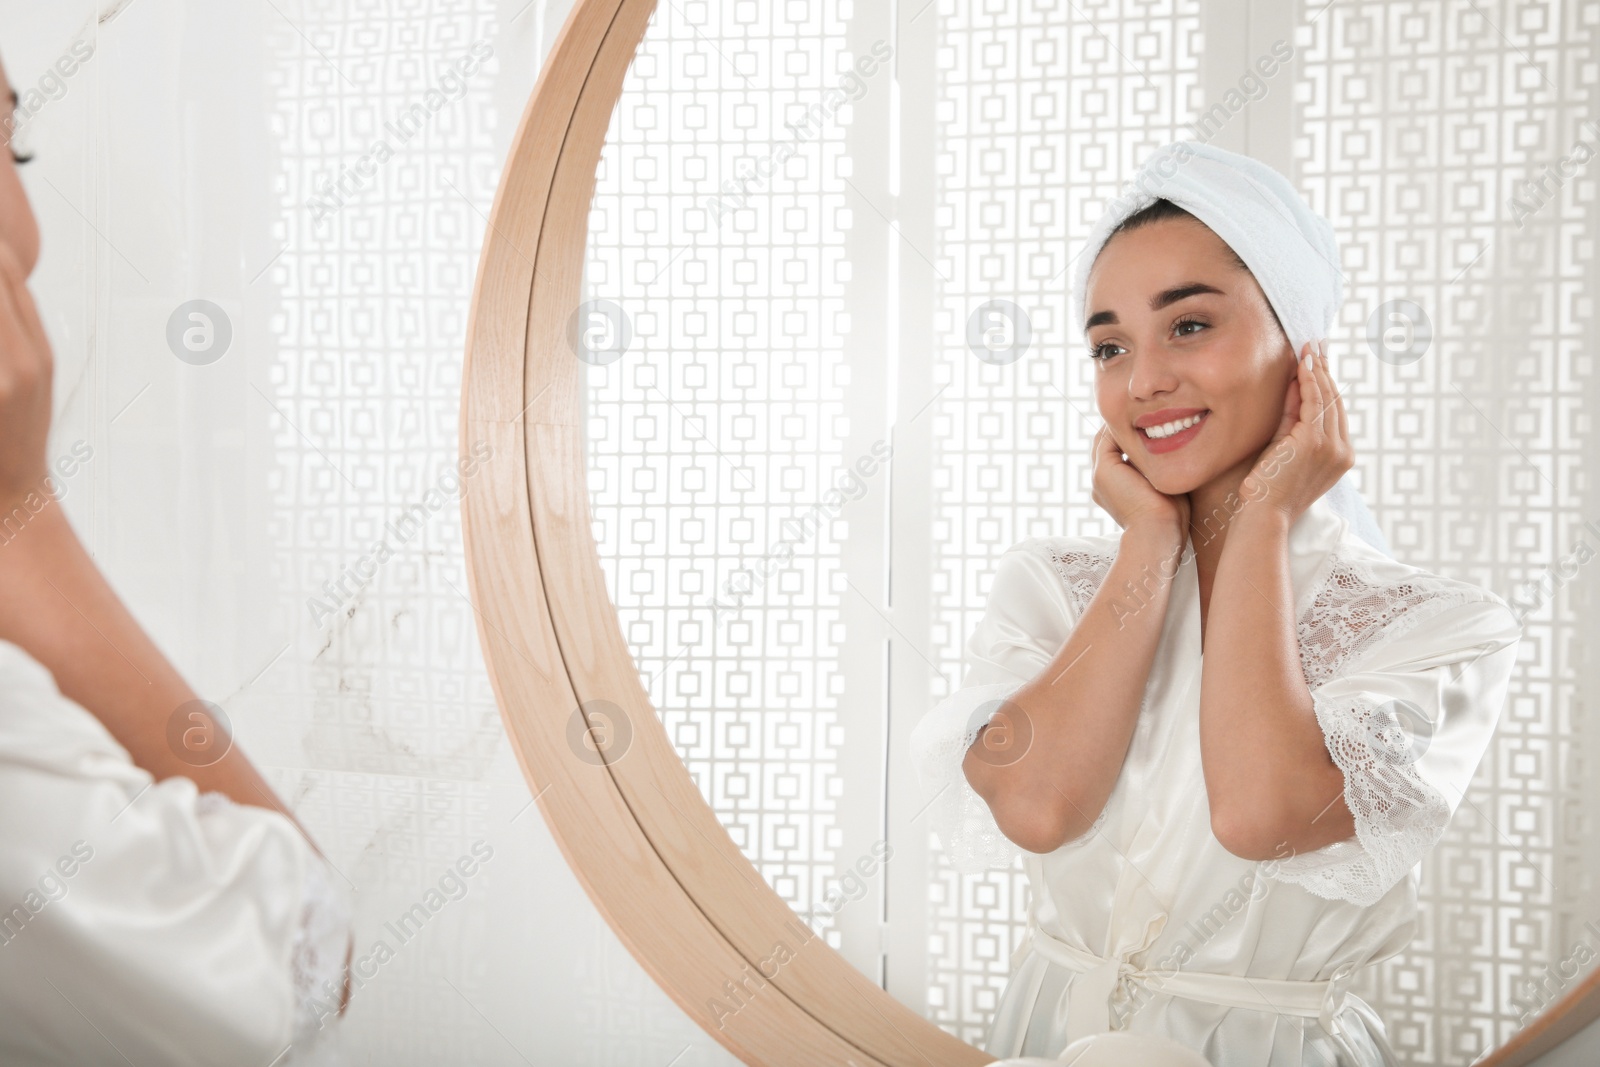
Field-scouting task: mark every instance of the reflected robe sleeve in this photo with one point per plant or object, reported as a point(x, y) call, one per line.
point(1407, 721)
point(1026, 619)
point(142, 919)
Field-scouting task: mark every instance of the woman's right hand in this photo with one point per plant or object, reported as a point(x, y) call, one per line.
point(1127, 494)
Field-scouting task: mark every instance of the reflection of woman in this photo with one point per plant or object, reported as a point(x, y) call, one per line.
point(158, 903)
point(1214, 843)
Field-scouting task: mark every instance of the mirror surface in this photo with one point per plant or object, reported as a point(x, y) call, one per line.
point(803, 217)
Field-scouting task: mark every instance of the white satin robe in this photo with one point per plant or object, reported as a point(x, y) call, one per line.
point(1408, 671)
point(143, 922)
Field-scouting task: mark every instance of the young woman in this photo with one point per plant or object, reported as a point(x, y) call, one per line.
point(158, 903)
point(1223, 739)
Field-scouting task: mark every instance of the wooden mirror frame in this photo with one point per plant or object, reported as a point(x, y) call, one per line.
point(649, 851)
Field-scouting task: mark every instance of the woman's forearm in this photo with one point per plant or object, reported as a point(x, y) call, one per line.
point(1269, 778)
point(1059, 745)
point(57, 606)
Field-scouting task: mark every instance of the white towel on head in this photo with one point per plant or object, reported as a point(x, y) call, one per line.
point(1289, 248)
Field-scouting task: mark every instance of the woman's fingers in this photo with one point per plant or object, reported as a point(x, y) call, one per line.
point(1109, 448)
point(1336, 427)
point(1313, 402)
point(1330, 398)
point(1108, 442)
point(1338, 398)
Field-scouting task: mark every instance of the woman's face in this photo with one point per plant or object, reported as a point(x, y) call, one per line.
point(18, 229)
point(1179, 328)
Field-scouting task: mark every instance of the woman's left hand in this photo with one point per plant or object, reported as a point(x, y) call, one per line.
point(1311, 449)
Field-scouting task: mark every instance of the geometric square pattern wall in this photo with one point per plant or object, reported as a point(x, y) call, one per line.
point(712, 345)
point(1450, 146)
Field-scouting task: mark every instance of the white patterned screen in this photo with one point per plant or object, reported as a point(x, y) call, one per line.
point(716, 275)
point(1446, 143)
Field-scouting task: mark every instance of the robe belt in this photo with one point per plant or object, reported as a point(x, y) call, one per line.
point(1089, 1000)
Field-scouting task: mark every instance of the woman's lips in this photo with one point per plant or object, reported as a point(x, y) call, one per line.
point(1158, 445)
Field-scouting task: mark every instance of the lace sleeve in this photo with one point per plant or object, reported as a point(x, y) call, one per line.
point(1407, 725)
point(1026, 619)
point(966, 828)
point(322, 941)
point(321, 946)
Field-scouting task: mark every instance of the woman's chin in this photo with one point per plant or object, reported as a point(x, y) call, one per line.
point(1171, 482)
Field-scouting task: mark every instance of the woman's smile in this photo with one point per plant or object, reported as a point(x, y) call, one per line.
point(1171, 433)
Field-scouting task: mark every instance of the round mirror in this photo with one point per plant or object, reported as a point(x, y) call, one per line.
point(772, 343)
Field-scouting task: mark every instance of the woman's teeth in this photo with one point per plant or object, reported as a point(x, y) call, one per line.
point(1167, 429)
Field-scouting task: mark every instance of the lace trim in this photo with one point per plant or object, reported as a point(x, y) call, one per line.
point(317, 957)
point(207, 803)
point(1354, 608)
point(1398, 816)
point(320, 948)
point(971, 838)
point(1084, 572)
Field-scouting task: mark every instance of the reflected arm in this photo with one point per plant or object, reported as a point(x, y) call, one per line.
point(1048, 761)
point(1272, 784)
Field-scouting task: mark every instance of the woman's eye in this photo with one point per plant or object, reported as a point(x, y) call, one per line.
point(1097, 352)
point(1188, 322)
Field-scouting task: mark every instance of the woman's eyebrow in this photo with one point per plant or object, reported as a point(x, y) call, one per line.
point(1157, 302)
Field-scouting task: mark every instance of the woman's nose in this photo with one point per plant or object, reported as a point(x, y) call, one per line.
point(1152, 374)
